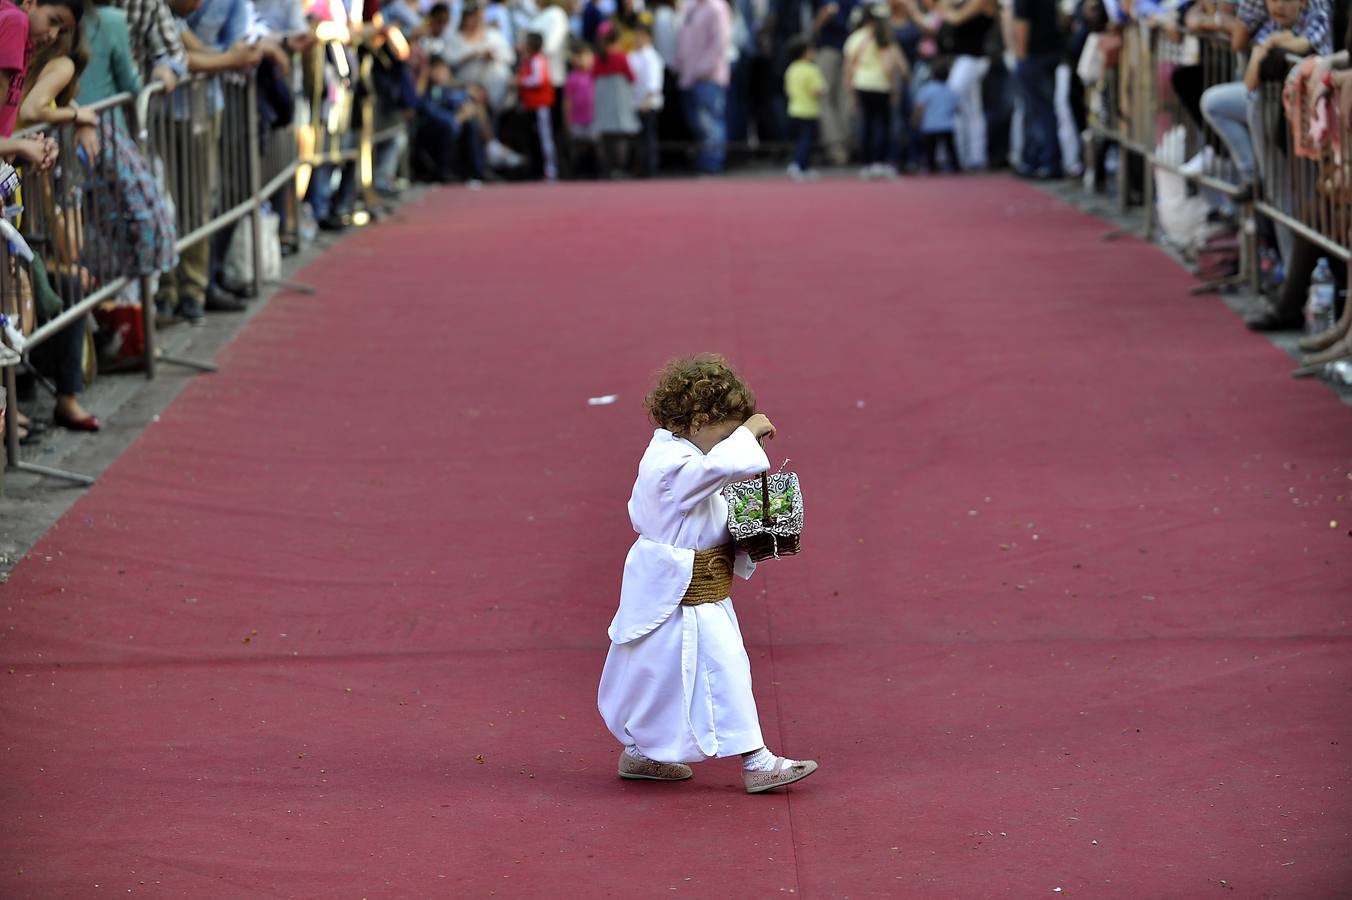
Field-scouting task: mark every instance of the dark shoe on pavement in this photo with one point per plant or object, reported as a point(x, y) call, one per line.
point(219, 300)
point(1270, 319)
point(192, 311)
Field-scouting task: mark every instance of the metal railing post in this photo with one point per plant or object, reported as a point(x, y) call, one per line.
point(254, 163)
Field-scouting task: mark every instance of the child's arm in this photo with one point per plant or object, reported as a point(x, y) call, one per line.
point(1255, 66)
point(40, 151)
point(735, 458)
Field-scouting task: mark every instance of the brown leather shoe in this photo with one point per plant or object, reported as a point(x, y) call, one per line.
point(785, 772)
point(651, 770)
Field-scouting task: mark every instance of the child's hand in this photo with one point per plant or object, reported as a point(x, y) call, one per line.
point(760, 426)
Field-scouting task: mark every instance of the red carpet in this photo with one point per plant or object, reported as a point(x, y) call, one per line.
point(1072, 610)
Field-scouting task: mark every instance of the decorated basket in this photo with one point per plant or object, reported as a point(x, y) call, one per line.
point(765, 515)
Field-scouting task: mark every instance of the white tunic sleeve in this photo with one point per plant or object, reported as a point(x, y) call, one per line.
point(701, 475)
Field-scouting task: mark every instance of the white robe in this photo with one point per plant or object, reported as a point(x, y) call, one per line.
point(677, 680)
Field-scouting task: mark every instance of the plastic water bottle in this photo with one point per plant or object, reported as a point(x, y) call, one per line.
point(309, 226)
point(1319, 302)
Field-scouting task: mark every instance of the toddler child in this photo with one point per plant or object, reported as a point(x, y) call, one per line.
point(536, 90)
point(676, 687)
point(935, 115)
point(579, 106)
point(804, 85)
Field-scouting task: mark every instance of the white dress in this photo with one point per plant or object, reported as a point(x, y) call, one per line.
point(677, 680)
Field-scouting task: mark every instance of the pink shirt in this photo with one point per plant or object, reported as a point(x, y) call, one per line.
point(13, 59)
point(581, 93)
point(703, 42)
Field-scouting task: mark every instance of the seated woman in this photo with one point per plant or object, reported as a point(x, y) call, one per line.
point(480, 56)
point(448, 131)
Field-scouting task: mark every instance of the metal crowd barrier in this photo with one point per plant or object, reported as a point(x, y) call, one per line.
point(218, 170)
point(68, 222)
point(1139, 106)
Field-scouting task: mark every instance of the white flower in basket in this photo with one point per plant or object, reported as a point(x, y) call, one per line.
point(765, 515)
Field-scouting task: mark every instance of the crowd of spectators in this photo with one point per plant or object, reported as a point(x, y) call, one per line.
point(551, 89)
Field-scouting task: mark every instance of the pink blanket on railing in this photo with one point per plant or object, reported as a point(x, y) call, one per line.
point(1316, 125)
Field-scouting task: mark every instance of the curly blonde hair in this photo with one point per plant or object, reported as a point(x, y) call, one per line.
point(698, 391)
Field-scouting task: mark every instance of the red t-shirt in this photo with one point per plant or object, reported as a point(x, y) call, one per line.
point(14, 48)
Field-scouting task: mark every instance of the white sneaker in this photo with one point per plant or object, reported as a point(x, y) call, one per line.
point(500, 156)
point(796, 173)
point(474, 184)
point(1200, 163)
point(886, 172)
point(866, 173)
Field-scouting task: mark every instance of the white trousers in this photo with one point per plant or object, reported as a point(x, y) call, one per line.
point(1067, 134)
point(682, 692)
point(965, 79)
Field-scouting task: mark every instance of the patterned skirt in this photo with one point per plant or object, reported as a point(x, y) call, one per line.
point(134, 217)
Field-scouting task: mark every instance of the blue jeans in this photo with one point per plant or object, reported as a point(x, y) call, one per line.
point(1041, 145)
point(805, 138)
point(706, 111)
point(1230, 111)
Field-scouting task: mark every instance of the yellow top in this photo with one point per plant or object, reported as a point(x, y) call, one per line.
point(804, 84)
point(870, 67)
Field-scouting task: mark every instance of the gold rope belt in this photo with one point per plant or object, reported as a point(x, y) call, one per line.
point(711, 579)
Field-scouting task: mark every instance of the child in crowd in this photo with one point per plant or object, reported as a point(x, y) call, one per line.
point(579, 106)
point(804, 85)
point(536, 89)
point(677, 681)
point(616, 113)
point(31, 25)
point(447, 136)
point(935, 116)
point(874, 68)
point(649, 72)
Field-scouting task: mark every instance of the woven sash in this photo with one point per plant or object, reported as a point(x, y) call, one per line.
point(711, 579)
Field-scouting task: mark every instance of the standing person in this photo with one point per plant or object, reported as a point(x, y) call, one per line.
point(213, 34)
point(831, 25)
point(649, 74)
point(616, 114)
point(123, 172)
point(156, 45)
point(874, 68)
point(551, 23)
point(935, 116)
point(22, 30)
point(536, 86)
point(969, 22)
point(702, 52)
point(579, 109)
point(804, 86)
point(1038, 49)
point(676, 687)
